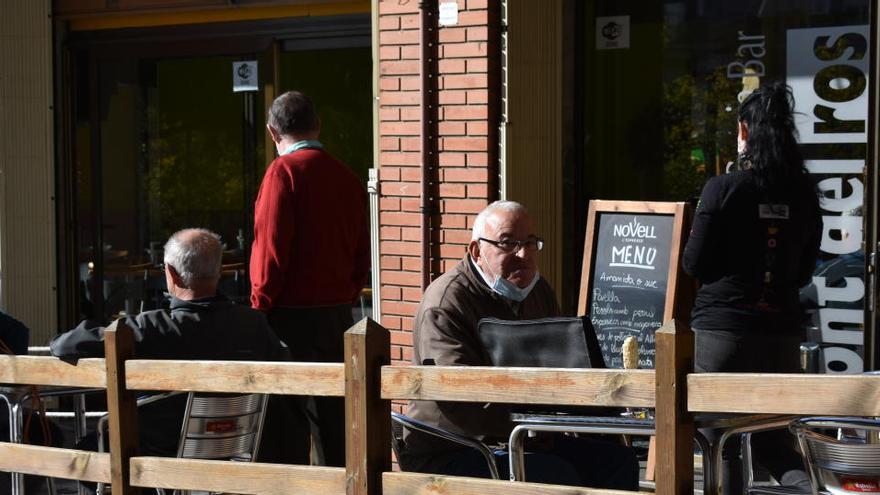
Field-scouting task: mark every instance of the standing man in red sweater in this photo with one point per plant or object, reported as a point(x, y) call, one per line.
point(311, 251)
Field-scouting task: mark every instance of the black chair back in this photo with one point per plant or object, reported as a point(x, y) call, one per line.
point(558, 342)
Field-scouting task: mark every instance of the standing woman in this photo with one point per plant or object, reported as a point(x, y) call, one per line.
point(753, 244)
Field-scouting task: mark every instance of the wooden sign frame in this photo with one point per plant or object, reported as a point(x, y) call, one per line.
point(679, 289)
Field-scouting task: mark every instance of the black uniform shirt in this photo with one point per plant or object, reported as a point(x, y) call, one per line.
point(752, 251)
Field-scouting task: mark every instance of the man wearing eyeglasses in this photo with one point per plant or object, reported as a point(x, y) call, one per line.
point(498, 278)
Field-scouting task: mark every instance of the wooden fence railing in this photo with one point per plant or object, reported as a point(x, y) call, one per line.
point(49, 461)
point(582, 387)
point(321, 379)
point(765, 393)
point(368, 384)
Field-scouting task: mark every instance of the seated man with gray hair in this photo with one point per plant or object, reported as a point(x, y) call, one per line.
point(498, 277)
point(200, 324)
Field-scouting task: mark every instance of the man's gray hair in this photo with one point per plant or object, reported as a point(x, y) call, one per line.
point(500, 205)
point(195, 254)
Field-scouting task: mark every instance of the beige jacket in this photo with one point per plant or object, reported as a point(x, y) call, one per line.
point(446, 335)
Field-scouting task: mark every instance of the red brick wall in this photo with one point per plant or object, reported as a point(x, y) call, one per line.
point(465, 175)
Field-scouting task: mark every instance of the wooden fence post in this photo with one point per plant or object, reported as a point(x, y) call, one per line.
point(121, 406)
point(367, 416)
point(675, 425)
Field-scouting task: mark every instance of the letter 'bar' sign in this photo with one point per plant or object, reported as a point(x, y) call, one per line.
point(631, 283)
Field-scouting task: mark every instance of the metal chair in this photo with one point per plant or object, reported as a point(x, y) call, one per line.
point(810, 364)
point(398, 444)
point(835, 460)
point(745, 431)
point(222, 426)
point(779, 490)
point(840, 463)
point(215, 426)
point(413, 424)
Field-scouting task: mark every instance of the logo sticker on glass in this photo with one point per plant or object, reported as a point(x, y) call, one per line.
point(612, 32)
point(244, 76)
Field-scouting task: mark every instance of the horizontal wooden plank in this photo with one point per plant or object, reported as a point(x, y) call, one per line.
point(421, 484)
point(236, 477)
point(604, 206)
point(844, 395)
point(322, 379)
point(582, 387)
point(47, 370)
point(54, 462)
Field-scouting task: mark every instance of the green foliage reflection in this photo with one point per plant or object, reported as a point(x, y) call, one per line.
point(699, 122)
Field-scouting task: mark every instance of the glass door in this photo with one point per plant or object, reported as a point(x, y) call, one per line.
point(167, 146)
point(661, 90)
point(339, 81)
point(159, 141)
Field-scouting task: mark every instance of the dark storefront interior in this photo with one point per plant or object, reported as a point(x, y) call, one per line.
point(158, 141)
point(660, 115)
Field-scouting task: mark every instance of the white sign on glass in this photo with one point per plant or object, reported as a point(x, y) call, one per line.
point(827, 69)
point(828, 74)
point(244, 76)
point(612, 32)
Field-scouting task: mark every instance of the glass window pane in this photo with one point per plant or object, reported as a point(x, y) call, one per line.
point(660, 119)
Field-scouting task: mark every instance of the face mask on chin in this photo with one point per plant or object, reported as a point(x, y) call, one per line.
point(506, 288)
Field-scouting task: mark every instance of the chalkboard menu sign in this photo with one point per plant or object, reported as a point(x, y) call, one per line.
point(630, 271)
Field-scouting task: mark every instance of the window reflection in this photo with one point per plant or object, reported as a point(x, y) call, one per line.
point(177, 148)
point(172, 155)
point(660, 114)
point(660, 120)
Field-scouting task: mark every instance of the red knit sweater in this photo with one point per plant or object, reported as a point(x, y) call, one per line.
point(311, 236)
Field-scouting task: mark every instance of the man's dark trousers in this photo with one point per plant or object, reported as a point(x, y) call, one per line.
point(317, 335)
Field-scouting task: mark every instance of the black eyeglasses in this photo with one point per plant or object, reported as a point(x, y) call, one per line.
point(512, 245)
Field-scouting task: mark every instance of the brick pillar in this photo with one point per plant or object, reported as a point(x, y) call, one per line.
point(469, 102)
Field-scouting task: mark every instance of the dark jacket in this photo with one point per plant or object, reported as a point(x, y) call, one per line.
point(446, 335)
point(752, 258)
point(212, 328)
point(205, 329)
point(14, 334)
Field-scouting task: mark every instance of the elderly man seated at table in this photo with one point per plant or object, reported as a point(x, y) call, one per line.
point(498, 277)
point(200, 324)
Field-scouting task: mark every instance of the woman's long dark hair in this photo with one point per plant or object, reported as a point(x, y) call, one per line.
point(771, 145)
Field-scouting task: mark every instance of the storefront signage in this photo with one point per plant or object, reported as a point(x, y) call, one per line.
point(827, 71)
point(751, 51)
point(612, 32)
point(244, 76)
